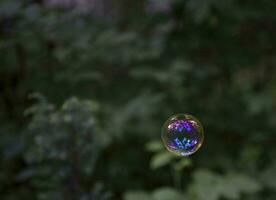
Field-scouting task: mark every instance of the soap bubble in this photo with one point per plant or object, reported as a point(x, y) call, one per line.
point(182, 134)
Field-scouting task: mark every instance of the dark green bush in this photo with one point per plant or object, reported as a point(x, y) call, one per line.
point(102, 84)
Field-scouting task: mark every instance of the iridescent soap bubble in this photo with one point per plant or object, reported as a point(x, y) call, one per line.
point(182, 134)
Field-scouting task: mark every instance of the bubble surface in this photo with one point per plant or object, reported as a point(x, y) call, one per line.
point(182, 134)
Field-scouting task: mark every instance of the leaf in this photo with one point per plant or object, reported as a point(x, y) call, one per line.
point(167, 193)
point(184, 162)
point(164, 193)
point(161, 159)
point(268, 176)
point(154, 146)
point(236, 184)
point(215, 186)
point(137, 195)
point(205, 184)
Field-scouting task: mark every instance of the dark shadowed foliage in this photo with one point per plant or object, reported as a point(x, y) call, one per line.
point(85, 87)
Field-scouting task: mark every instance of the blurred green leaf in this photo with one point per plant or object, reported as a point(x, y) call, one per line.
point(161, 159)
point(268, 176)
point(230, 186)
point(182, 163)
point(154, 146)
point(164, 193)
point(136, 195)
point(167, 194)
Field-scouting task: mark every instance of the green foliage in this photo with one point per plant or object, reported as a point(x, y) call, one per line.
point(213, 186)
point(113, 75)
point(163, 157)
point(268, 176)
point(159, 194)
point(65, 145)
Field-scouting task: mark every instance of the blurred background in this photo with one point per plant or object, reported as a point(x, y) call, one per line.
point(86, 85)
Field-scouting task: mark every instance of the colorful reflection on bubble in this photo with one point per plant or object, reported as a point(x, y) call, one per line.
point(182, 134)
